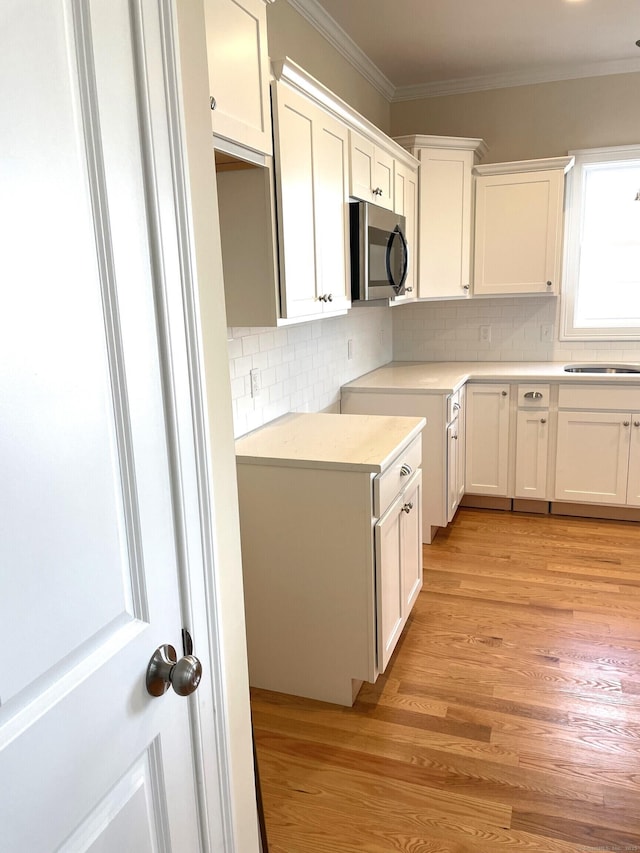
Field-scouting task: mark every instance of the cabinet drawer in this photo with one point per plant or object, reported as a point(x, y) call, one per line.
point(595, 397)
point(533, 396)
point(392, 481)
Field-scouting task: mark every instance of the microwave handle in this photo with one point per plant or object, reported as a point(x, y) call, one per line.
point(405, 251)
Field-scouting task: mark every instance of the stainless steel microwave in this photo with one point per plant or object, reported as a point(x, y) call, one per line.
point(379, 252)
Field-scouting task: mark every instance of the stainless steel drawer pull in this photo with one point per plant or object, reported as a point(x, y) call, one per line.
point(405, 470)
point(534, 395)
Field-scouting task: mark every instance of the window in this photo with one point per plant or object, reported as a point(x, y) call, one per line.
point(601, 290)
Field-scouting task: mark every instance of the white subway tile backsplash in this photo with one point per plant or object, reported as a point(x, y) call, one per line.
point(303, 367)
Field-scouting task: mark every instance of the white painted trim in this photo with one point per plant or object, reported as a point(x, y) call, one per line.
point(543, 165)
point(549, 74)
point(287, 71)
point(455, 143)
point(313, 12)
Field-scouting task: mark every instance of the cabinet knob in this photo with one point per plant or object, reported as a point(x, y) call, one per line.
point(405, 470)
point(504, 393)
point(549, 284)
point(212, 102)
point(455, 436)
point(408, 289)
point(625, 423)
point(543, 420)
point(377, 191)
point(636, 423)
point(466, 286)
point(407, 507)
point(330, 297)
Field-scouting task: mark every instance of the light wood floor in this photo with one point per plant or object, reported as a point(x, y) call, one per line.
point(507, 720)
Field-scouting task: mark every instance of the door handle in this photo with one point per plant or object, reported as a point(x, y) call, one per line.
point(165, 671)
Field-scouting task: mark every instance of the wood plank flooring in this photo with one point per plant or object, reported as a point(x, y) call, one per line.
point(508, 718)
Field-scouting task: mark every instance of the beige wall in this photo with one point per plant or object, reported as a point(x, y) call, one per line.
point(525, 122)
point(291, 35)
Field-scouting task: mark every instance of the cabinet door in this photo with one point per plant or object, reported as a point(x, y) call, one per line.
point(331, 185)
point(487, 440)
point(405, 192)
point(383, 173)
point(633, 481)
point(293, 123)
point(445, 223)
point(389, 588)
point(361, 167)
point(455, 466)
point(239, 71)
point(518, 232)
point(411, 544)
point(592, 457)
point(532, 443)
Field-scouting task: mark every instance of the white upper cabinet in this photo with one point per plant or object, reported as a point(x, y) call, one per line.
point(518, 226)
point(239, 72)
point(405, 194)
point(371, 171)
point(311, 152)
point(445, 212)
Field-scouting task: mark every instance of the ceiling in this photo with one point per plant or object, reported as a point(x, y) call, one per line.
point(426, 47)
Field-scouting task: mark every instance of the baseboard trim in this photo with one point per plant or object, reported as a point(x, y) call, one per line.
point(487, 502)
point(615, 513)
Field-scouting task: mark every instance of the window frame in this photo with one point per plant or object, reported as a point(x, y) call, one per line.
point(574, 213)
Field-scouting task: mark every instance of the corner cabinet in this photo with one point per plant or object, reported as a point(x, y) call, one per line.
point(312, 192)
point(445, 204)
point(239, 77)
point(330, 521)
point(518, 226)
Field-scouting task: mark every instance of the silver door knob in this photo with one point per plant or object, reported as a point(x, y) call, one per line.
point(165, 671)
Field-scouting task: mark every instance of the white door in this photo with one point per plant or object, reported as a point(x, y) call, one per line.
point(532, 442)
point(592, 457)
point(92, 541)
point(389, 593)
point(331, 194)
point(487, 440)
point(411, 544)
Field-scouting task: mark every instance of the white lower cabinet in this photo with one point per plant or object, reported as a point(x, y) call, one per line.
point(598, 445)
point(487, 439)
point(331, 549)
point(442, 456)
point(532, 453)
point(398, 543)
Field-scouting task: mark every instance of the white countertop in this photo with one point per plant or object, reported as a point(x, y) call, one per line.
point(444, 377)
point(347, 442)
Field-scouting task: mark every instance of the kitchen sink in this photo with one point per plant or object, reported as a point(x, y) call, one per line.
point(601, 368)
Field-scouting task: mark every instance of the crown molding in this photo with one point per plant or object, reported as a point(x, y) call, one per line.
point(456, 143)
point(290, 73)
point(543, 165)
point(344, 44)
point(550, 74)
